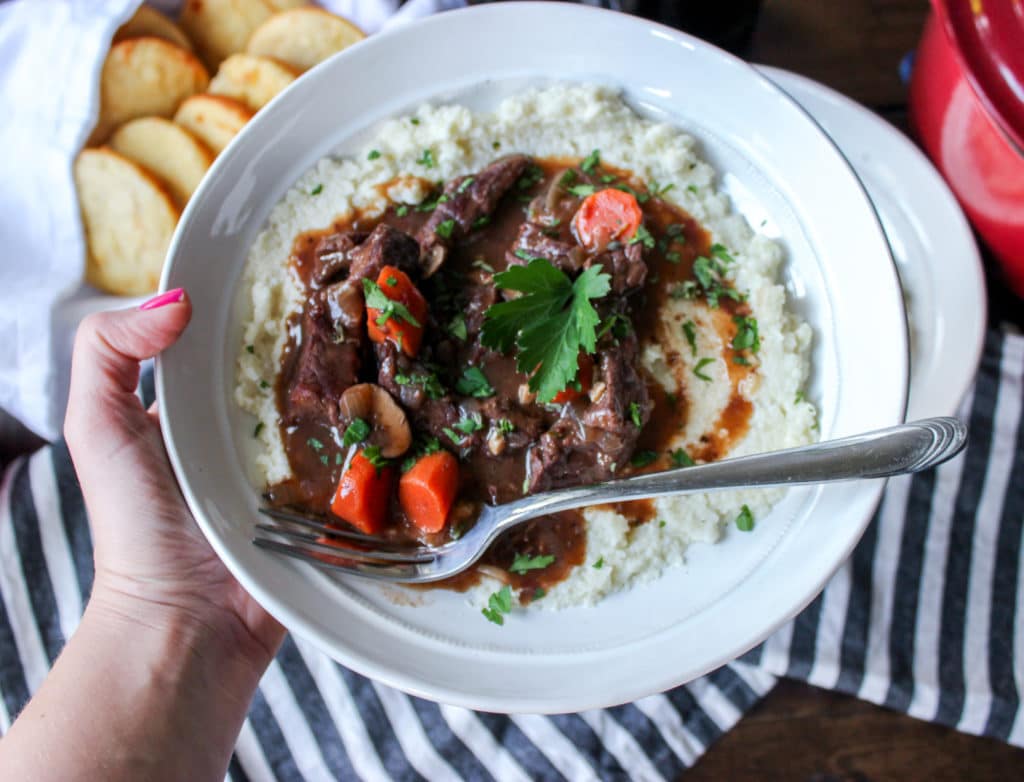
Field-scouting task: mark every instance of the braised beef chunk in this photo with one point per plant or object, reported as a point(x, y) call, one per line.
point(535, 241)
point(329, 358)
point(626, 266)
point(591, 443)
point(331, 256)
point(465, 201)
point(385, 246)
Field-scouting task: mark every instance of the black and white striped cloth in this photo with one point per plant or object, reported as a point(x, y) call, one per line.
point(922, 619)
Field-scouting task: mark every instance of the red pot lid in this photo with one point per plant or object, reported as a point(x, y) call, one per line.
point(989, 37)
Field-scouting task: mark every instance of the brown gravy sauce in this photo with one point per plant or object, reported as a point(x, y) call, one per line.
point(562, 535)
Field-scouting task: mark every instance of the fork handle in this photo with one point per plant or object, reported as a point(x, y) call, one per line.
point(882, 453)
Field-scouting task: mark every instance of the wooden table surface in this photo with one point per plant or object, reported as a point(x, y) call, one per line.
point(800, 732)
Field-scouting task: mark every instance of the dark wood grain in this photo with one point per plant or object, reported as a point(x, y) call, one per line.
point(800, 732)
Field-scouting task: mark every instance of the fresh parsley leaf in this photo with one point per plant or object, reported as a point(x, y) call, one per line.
point(428, 382)
point(635, 414)
point(719, 251)
point(599, 564)
point(427, 159)
point(258, 429)
point(697, 370)
point(317, 190)
point(582, 191)
point(532, 176)
point(608, 178)
point(591, 161)
point(373, 155)
point(474, 422)
point(746, 337)
point(315, 444)
point(465, 183)
point(680, 458)
point(498, 605)
point(568, 177)
point(743, 361)
point(690, 332)
point(474, 383)
point(703, 270)
point(445, 228)
point(549, 323)
point(402, 210)
point(457, 327)
point(355, 432)
point(643, 236)
point(373, 455)
point(505, 426)
point(388, 308)
point(643, 458)
point(745, 520)
point(524, 563)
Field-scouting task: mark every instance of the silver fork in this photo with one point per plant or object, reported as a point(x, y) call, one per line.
point(880, 454)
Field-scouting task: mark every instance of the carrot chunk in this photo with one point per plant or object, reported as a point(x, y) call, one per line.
point(428, 490)
point(605, 216)
point(402, 324)
point(363, 493)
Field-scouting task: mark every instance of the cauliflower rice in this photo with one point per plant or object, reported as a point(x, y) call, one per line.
point(566, 120)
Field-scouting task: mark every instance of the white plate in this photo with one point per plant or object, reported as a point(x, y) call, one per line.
point(777, 165)
point(936, 255)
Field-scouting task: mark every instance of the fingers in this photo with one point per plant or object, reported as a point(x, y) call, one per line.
point(105, 362)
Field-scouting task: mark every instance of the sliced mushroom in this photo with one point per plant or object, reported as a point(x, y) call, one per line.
point(389, 429)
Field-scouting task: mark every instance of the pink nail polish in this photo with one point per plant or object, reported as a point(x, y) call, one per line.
point(168, 297)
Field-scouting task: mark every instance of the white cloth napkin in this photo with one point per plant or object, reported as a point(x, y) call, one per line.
point(51, 52)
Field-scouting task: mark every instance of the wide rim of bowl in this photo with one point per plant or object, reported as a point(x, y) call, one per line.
point(808, 586)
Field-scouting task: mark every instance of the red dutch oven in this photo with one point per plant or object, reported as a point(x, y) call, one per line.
point(967, 106)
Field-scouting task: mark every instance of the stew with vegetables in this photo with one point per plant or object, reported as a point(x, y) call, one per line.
point(484, 344)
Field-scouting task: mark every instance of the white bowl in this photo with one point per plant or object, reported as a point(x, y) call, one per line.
point(775, 163)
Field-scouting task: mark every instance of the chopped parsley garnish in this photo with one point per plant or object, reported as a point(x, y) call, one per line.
point(710, 274)
point(356, 432)
point(673, 257)
point(373, 155)
point(464, 184)
point(423, 448)
point(402, 210)
point(641, 198)
point(264, 385)
point(697, 370)
point(522, 255)
point(607, 178)
point(457, 327)
point(743, 361)
point(445, 228)
point(474, 383)
point(674, 231)
point(660, 190)
point(745, 520)
point(591, 161)
point(690, 332)
point(373, 455)
point(746, 337)
point(643, 458)
point(524, 563)
point(619, 326)
point(532, 176)
point(505, 426)
point(549, 324)
point(568, 177)
point(444, 198)
point(800, 397)
point(635, 415)
point(250, 348)
point(692, 189)
point(582, 191)
point(258, 429)
point(481, 221)
point(315, 444)
point(685, 290)
point(643, 236)
point(661, 523)
point(428, 382)
point(467, 425)
point(317, 190)
point(599, 564)
point(495, 145)
point(414, 120)
point(325, 459)
point(680, 458)
point(480, 263)
point(538, 593)
point(498, 605)
point(427, 159)
point(719, 251)
point(391, 281)
point(376, 299)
